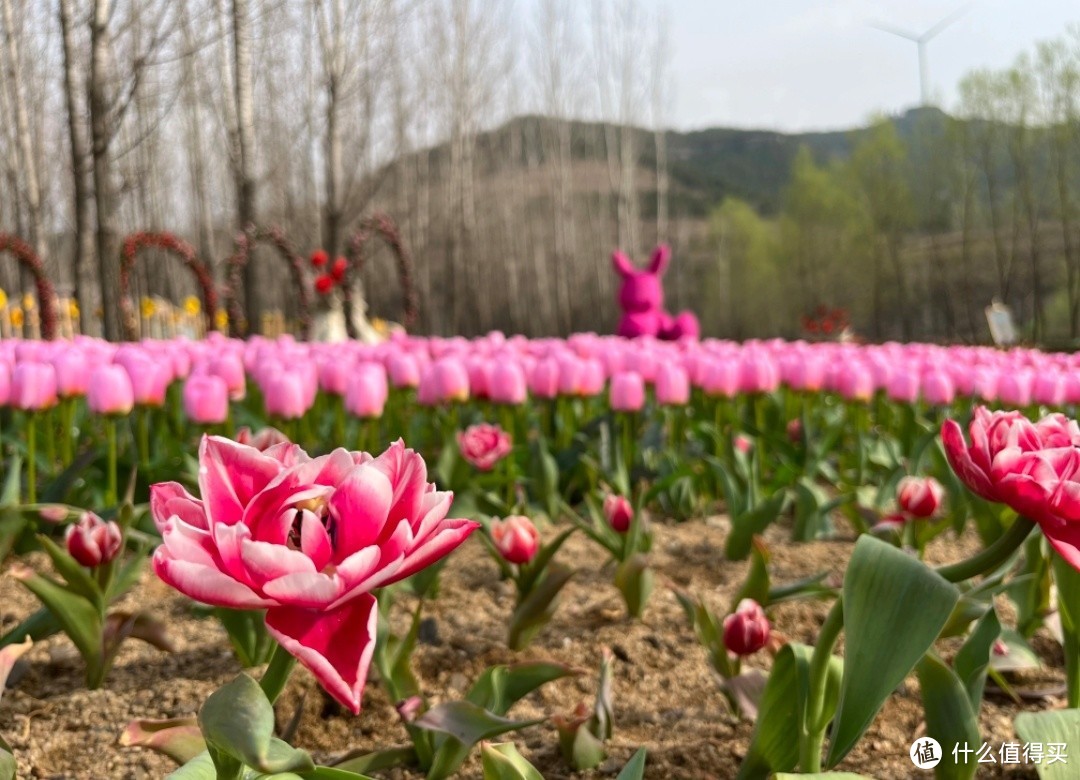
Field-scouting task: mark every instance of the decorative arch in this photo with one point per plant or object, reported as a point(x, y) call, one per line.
point(175, 246)
point(381, 225)
point(242, 244)
point(28, 259)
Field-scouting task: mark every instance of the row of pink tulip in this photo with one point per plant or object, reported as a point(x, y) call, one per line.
point(114, 378)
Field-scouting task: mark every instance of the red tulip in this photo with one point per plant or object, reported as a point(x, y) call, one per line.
point(93, 542)
point(919, 496)
point(746, 630)
point(618, 512)
point(516, 538)
point(484, 445)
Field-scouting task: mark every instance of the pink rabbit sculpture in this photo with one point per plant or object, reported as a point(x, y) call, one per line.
point(642, 300)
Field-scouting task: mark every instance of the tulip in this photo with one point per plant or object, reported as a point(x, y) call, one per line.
point(206, 399)
point(284, 396)
point(404, 370)
point(231, 369)
point(672, 385)
point(627, 392)
point(544, 378)
point(368, 391)
point(919, 496)
point(516, 538)
point(746, 630)
point(743, 444)
point(451, 380)
point(72, 373)
point(307, 540)
point(506, 382)
point(618, 512)
point(33, 386)
point(109, 391)
point(937, 388)
point(484, 445)
point(150, 381)
point(93, 542)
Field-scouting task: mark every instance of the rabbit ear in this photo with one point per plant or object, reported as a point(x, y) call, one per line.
point(659, 260)
point(622, 263)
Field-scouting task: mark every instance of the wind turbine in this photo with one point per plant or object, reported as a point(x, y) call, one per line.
point(921, 41)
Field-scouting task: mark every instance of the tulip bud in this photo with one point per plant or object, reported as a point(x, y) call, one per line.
point(795, 431)
point(368, 391)
point(110, 391)
point(743, 444)
point(627, 392)
point(919, 496)
point(404, 370)
point(93, 542)
point(618, 512)
point(672, 385)
point(206, 399)
point(506, 383)
point(516, 538)
point(746, 630)
point(33, 386)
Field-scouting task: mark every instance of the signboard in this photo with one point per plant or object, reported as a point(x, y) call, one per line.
point(1002, 329)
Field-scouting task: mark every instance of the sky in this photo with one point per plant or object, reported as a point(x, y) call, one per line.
point(798, 65)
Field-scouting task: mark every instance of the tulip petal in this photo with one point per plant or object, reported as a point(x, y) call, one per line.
point(447, 538)
point(359, 508)
point(315, 541)
point(185, 543)
point(206, 584)
point(265, 561)
point(170, 498)
point(1065, 538)
point(407, 472)
point(230, 476)
point(335, 645)
point(959, 458)
point(309, 590)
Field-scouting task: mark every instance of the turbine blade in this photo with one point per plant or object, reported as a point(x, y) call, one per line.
point(937, 28)
point(893, 30)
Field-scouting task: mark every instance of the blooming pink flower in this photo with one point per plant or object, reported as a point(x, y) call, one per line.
point(368, 391)
point(484, 445)
point(263, 440)
point(516, 538)
point(206, 399)
point(919, 496)
point(1032, 467)
point(93, 542)
point(307, 540)
point(33, 386)
point(618, 512)
point(672, 384)
point(506, 382)
point(627, 392)
point(746, 630)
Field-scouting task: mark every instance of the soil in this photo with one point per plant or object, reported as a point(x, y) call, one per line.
point(665, 696)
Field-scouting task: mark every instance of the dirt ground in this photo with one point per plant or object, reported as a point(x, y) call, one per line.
point(665, 696)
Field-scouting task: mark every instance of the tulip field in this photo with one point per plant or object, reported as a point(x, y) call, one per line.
point(551, 558)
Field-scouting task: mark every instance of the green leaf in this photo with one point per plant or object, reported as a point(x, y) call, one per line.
point(1053, 727)
point(78, 579)
point(199, 768)
point(823, 776)
point(330, 773)
point(781, 722)
point(504, 762)
point(178, 738)
point(973, 658)
point(237, 721)
point(468, 723)
point(247, 633)
point(756, 585)
point(745, 526)
point(950, 718)
point(500, 687)
point(77, 616)
point(585, 751)
point(40, 625)
point(536, 609)
point(387, 758)
point(634, 579)
point(894, 609)
point(536, 567)
point(10, 494)
point(9, 769)
point(635, 767)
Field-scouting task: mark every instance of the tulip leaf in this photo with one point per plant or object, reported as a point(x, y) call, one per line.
point(501, 687)
point(1017, 653)
point(748, 524)
point(40, 625)
point(635, 767)
point(774, 746)
point(178, 738)
point(1067, 580)
point(536, 609)
point(823, 776)
point(586, 750)
point(464, 724)
point(388, 758)
point(77, 616)
point(504, 762)
point(973, 659)
point(1052, 727)
point(9, 497)
point(237, 721)
point(950, 718)
point(246, 628)
point(78, 579)
point(9, 769)
point(634, 579)
point(894, 609)
point(201, 767)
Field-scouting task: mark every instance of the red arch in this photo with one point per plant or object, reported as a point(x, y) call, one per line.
point(239, 260)
point(176, 246)
point(28, 259)
point(382, 225)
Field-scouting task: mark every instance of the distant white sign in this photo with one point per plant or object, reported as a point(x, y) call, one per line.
point(1002, 329)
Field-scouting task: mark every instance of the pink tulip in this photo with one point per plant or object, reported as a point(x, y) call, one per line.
point(516, 538)
point(743, 444)
point(368, 391)
point(93, 542)
point(263, 440)
point(721, 378)
point(231, 369)
point(672, 385)
point(451, 380)
point(544, 378)
point(307, 540)
point(618, 512)
point(484, 445)
point(284, 396)
point(627, 392)
point(1031, 467)
point(72, 372)
point(507, 382)
point(937, 388)
point(335, 375)
point(33, 386)
point(903, 387)
point(593, 378)
point(919, 496)
point(150, 381)
point(109, 391)
point(746, 630)
point(404, 370)
point(206, 399)
point(855, 382)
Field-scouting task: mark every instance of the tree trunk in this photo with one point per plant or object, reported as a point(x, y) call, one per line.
point(246, 191)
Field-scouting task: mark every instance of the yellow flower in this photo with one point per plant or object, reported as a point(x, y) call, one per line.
point(73, 309)
point(148, 308)
point(221, 319)
point(28, 302)
point(192, 305)
point(3, 299)
point(17, 317)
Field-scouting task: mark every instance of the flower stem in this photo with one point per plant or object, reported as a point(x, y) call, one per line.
point(110, 436)
point(31, 460)
point(277, 673)
point(993, 556)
